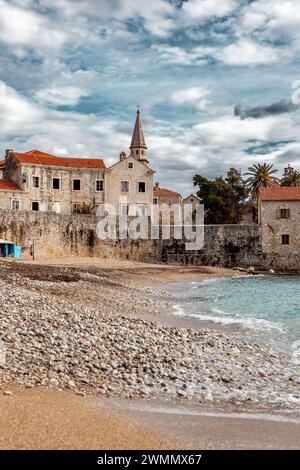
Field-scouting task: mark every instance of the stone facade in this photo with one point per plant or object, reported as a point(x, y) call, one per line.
point(36, 181)
point(192, 200)
point(50, 188)
point(165, 196)
point(129, 185)
point(279, 215)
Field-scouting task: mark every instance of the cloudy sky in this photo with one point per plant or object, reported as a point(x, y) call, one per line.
point(218, 81)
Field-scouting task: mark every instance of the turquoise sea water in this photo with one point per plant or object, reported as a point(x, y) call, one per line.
point(266, 307)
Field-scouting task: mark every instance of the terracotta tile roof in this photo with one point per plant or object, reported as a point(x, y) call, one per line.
point(35, 157)
point(2, 163)
point(8, 185)
point(163, 192)
point(277, 193)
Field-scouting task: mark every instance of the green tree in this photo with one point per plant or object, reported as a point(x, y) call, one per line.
point(292, 179)
point(260, 176)
point(223, 199)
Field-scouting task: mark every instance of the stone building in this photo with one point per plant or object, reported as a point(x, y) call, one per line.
point(129, 182)
point(37, 181)
point(192, 200)
point(279, 215)
point(165, 196)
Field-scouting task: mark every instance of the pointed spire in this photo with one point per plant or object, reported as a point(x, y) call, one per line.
point(138, 146)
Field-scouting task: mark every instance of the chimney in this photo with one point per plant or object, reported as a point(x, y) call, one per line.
point(122, 156)
point(157, 185)
point(7, 153)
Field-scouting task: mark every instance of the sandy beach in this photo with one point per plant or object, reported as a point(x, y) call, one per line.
point(81, 333)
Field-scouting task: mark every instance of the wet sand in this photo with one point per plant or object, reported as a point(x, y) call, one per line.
point(200, 427)
point(46, 419)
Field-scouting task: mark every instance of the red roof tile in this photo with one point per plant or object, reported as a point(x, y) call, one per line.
point(8, 185)
point(277, 193)
point(35, 157)
point(163, 192)
point(2, 163)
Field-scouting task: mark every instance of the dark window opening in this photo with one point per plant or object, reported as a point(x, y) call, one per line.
point(130, 165)
point(35, 181)
point(285, 213)
point(285, 239)
point(35, 206)
point(76, 185)
point(142, 187)
point(56, 183)
point(99, 185)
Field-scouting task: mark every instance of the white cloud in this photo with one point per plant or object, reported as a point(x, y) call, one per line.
point(204, 9)
point(157, 14)
point(241, 53)
point(64, 95)
point(178, 55)
point(248, 52)
point(272, 20)
point(17, 114)
point(195, 96)
point(25, 28)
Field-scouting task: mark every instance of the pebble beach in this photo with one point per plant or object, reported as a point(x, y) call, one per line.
point(84, 330)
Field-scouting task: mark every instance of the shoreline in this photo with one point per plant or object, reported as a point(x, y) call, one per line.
point(170, 360)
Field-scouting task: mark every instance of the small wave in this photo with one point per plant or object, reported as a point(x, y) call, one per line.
point(178, 310)
point(250, 322)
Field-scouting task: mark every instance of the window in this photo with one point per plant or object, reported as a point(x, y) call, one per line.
point(124, 209)
point(76, 207)
point(35, 206)
point(56, 183)
point(142, 187)
point(130, 165)
point(285, 213)
point(141, 209)
point(136, 152)
point(99, 185)
point(15, 205)
point(155, 201)
point(35, 182)
point(76, 185)
point(125, 186)
point(285, 239)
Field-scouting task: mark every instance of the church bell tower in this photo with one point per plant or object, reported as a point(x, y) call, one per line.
point(138, 147)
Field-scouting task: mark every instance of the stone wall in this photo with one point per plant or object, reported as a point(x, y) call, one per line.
point(66, 234)
point(224, 245)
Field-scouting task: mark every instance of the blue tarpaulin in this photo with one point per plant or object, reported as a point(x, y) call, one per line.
point(8, 248)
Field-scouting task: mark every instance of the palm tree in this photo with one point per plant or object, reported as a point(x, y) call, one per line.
point(260, 176)
point(86, 208)
point(292, 179)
